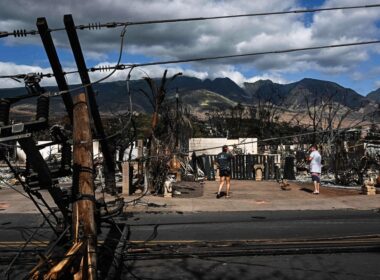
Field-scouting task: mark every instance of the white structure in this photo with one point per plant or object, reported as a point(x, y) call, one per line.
point(213, 146)
point(52, 151)
point(46, 152)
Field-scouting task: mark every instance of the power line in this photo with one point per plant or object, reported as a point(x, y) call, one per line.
point(96, 26)
point(301, 11)
point(248, 54)
point(120, 66)
point(336, 130)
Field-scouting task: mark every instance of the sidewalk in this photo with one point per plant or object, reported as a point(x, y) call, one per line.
point(256, 196)
point(245, 196)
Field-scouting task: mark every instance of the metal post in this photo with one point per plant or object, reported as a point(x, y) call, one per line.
point(51, 52)
point(82, 68)
point(176, 124)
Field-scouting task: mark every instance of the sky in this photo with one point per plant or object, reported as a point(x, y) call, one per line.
point(355, 67)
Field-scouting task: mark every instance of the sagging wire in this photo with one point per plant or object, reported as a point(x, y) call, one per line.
point(286, 137)
point(116, 67)
point(26, 187)
point(8, 269)
point(118, 256)
point(146, 188)
point(130, 107)
point(129, 93)
point(16, 190)
point(339, 130)
point(107, 212)
point(118, 133)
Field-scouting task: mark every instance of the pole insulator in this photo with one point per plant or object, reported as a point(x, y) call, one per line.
point(5, 106)
point(42, 108)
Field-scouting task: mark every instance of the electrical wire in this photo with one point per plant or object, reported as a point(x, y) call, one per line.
point(24, 195)
point(16, 190)
point(7, 271)
point(114, 69)
point(47, 254)
point(26, 187)
point(120, 66)
point(301, 11)
point(285, 137)
point(126, 126)
point(97, 26)
point(254, 54)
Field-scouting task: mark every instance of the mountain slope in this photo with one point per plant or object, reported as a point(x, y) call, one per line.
point(296, 95)
point(221, 93)
point(374, 95)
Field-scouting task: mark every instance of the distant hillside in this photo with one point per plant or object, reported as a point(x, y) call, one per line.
point(222, 86)
point(221, 93)
point(204, 100)
point(296, 95)
point(374, 95)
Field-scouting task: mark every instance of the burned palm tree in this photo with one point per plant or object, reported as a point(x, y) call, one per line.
point(161, 137)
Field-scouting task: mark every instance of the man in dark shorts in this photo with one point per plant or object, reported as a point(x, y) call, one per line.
point(223, 160)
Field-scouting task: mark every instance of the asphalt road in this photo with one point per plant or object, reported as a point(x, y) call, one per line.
point(341, 244)
point(252, 225)
point(287, 267)
point(253, 245)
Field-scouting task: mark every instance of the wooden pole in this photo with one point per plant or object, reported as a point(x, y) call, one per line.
point(84, 227)
point(126, 189)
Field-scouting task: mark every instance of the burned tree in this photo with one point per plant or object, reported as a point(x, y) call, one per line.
point(161, 139)
point(330, 116)
point(265, 112)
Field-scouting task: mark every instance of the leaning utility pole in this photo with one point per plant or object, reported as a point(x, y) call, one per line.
point(52, 55)
point(109, 162)
point(82, 253)
point(84, 228)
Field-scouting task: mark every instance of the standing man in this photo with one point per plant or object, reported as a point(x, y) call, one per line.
point(315, 168)
point(223, 160)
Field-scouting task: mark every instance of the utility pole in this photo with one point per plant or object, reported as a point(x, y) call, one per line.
point(52, 55)
point(109, 161)
point(84, 228)
point(82, 253)
point(177, 122)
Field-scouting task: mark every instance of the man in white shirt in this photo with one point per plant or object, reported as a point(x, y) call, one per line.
point(315, 168)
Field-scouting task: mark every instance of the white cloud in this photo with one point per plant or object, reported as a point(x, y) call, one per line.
point(276, 78)
point(155, 71)
point(206, 38)
point(8, 68)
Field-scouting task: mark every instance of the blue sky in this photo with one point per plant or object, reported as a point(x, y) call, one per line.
point(353, 67)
